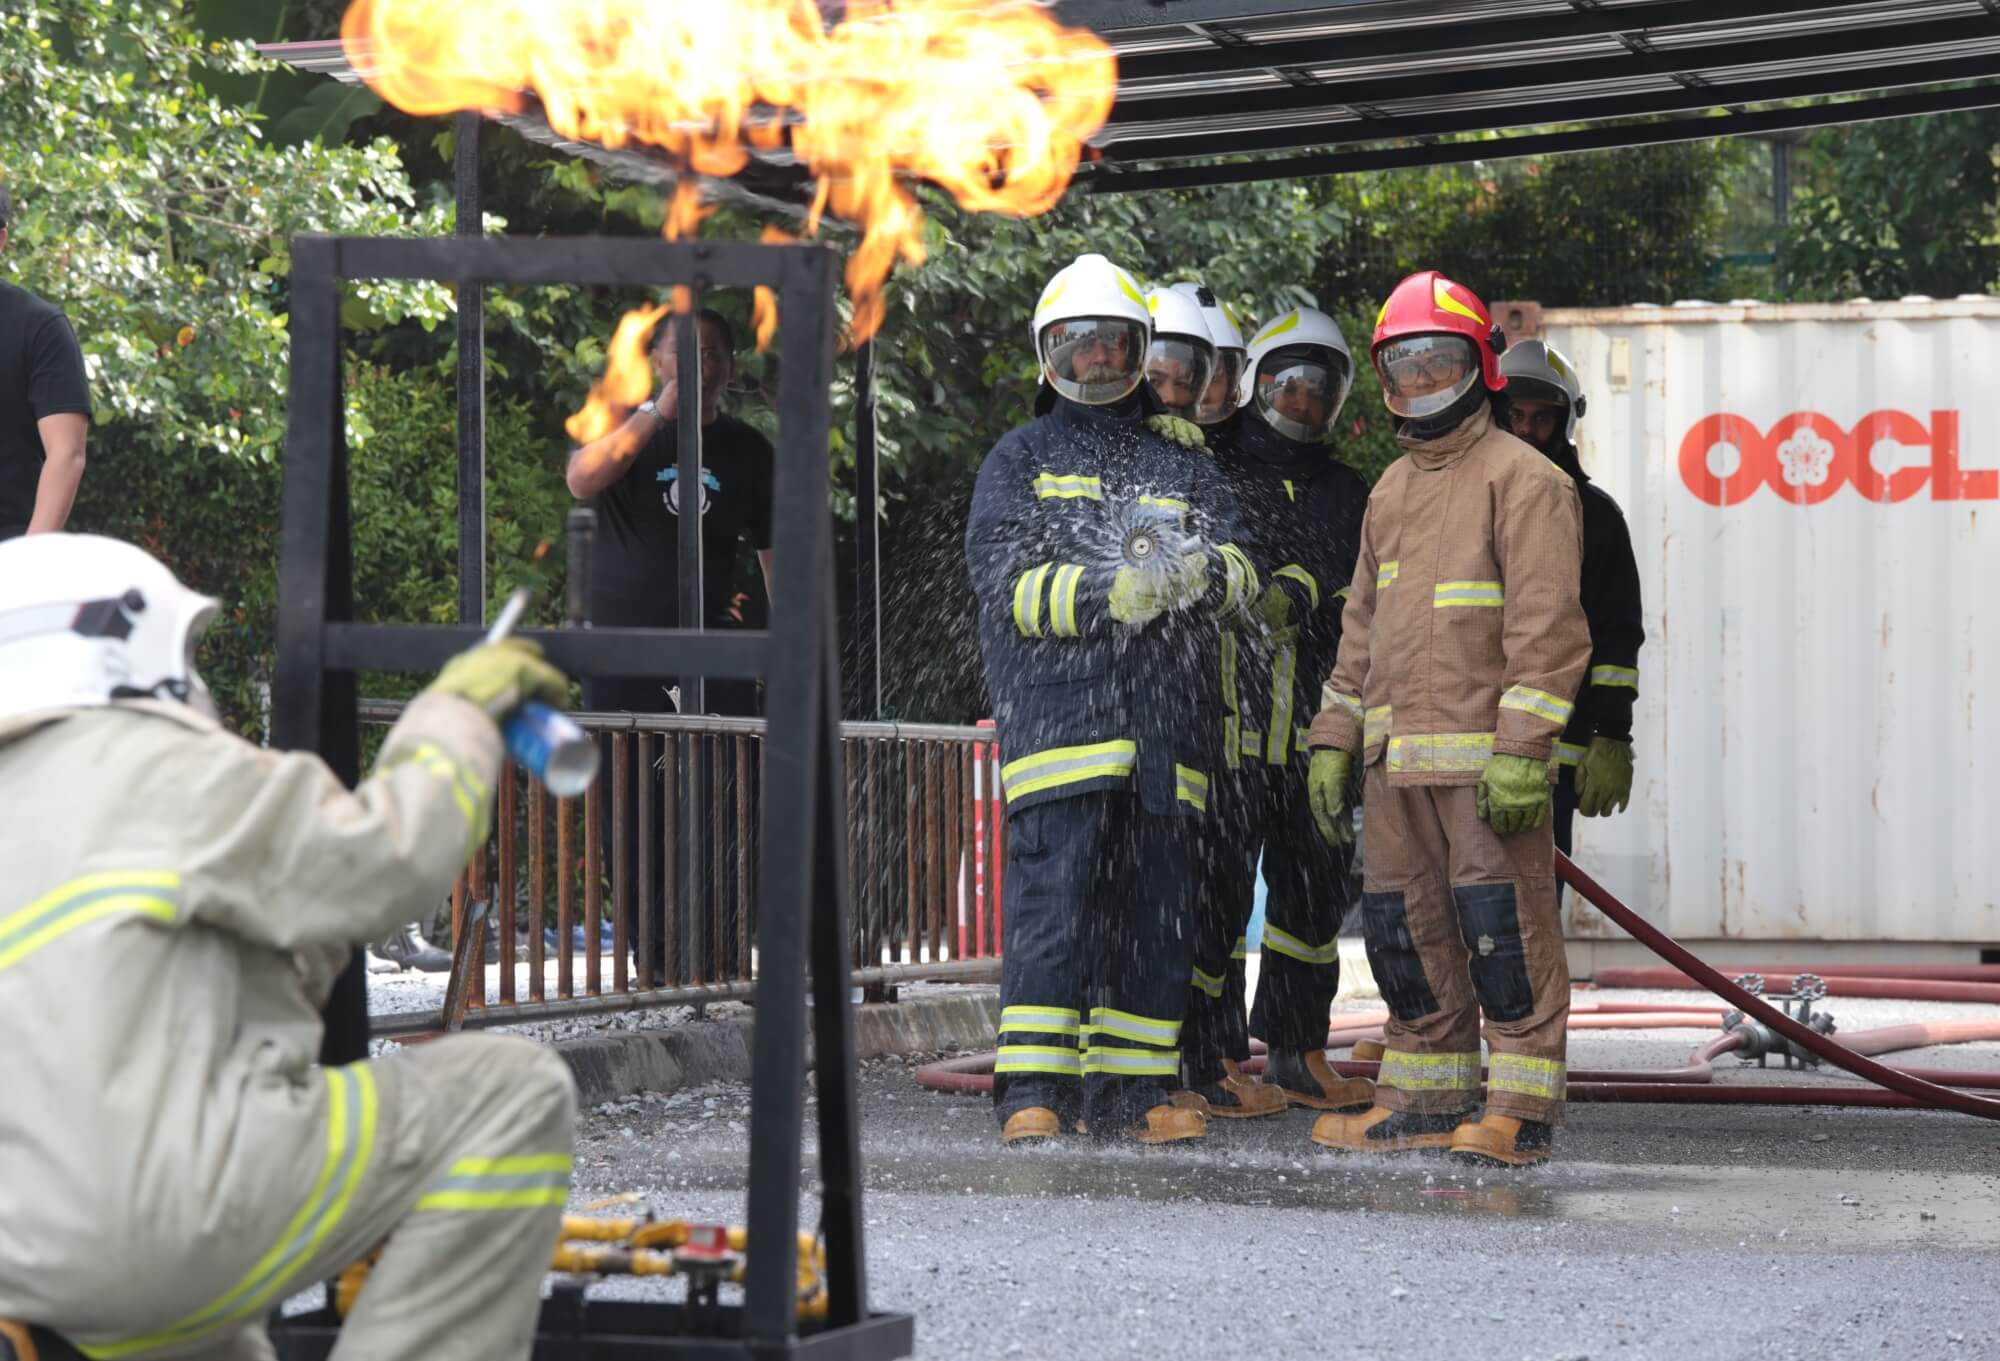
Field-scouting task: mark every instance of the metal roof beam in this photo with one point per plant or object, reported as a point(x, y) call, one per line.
point(1446, 35)
point(1545, 144)
point(1387, 123)
point(1791, 50)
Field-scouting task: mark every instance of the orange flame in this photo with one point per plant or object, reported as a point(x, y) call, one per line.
point(628, 375)
point(764, 310)
point(991, 99)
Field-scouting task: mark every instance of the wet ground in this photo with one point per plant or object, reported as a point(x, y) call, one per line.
point(1662, 1231)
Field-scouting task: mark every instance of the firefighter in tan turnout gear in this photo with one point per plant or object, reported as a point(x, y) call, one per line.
point(177, 903)
point(1462, 648)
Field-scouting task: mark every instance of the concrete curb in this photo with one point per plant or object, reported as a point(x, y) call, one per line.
point(612, 1067)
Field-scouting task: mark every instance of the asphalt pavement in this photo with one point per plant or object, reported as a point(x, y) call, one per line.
point(1678, 1232)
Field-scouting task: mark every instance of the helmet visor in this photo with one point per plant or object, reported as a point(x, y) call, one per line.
point(1220, 399)
point(1179, 369)
point(1093, 360)
point(1423, 375)
point(1299, 391)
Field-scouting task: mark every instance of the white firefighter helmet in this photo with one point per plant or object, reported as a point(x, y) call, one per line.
point(1225, 330)
point(1091, 328)
point(1180, 358)
point(1299, 373)
point(86, 620)
point(1540, 372)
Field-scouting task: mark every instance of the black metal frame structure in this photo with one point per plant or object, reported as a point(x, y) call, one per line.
point(802, 888)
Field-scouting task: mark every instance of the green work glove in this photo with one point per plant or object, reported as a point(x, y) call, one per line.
point(1138, 596)
point(1178, 431)
point(1604, 778)
point(1275, 608)
point(1513, 793)
point(500, 677)
point(1326, 789)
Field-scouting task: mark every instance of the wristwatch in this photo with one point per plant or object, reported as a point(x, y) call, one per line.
point(652, 408)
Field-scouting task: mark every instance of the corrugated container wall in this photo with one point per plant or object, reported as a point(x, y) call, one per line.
point(1814, 497)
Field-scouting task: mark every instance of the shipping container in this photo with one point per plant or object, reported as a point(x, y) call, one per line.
point(1814, 498)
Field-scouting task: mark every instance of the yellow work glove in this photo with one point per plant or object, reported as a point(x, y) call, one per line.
point(1513, 793)
point(1604, 778)
point(1326, 790)
point(1188, 582)
point(1275, 608)
point(1139, 596)
point(500, 677)
point(1178, 431)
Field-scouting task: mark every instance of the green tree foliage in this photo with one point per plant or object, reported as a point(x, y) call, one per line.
point(1908, 205)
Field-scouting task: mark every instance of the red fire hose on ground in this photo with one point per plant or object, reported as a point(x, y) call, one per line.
point(1910, 1087)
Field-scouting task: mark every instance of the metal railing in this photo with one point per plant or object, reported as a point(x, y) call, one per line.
point(564, 880)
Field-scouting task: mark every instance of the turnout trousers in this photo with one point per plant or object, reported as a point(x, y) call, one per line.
point(1098, 943)
point(452, 1157)
point(1310, 890)
point(1460, 921)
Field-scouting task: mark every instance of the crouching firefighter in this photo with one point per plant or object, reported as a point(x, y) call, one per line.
point(177, 905)
point(1462, 648)
point(1097, 551)
point(1299, 511)
point(1594, 758)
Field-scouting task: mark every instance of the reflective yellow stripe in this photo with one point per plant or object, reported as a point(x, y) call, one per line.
point(518, 1182)
point(1625, 677)
point(1292, 571)
point(1165, 503)
point(524, 1199)
point(81, 901)
point(350, 1137)
point(1036, 1058)
point(1045, 1020)
point(1330, 698)
point(1523, 1076)
point(1242, 950)
point(1568, 754)
point(1068, 487)
point(1239, 579)
point(1449, 593)
point(1278, 735)
point(1128, 1026)
point(1232, 704)
point(1540, 703)
point(467, 789)
point(1067, 765)
point(1384, 574)
point(1437, 752)
point(1191, 786)
point(1033, 580)
point(1344, 593)
point(1285, 943)
point(1104, 1058)
point(1062, 601)
point(1375, 724)
point(1301, 737)
point(1253, 744)
point(520, 1164)
point(1209, 983)
point(1291, 492)
point(1429, 1072)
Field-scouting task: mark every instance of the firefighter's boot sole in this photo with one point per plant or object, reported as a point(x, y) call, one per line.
point(1169, 1125)
point(1036, 1124)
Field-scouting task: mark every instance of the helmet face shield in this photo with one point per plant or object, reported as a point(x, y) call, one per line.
point(1220, 399)
point(1299, 391)
point(1093, 360)
point(1179, 369)
point(1423, 375)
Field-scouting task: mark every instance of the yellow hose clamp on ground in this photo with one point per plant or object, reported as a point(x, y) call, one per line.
point(668, 1247)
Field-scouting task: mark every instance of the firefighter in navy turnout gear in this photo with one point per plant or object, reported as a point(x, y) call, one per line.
point(1100, 557)
point(1300, 513)
point(1594, 756)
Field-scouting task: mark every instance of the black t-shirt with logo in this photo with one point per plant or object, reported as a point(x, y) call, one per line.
point(635, 570)
point(41, 374)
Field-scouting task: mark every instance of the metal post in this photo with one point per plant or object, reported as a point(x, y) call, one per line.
point(688, 491)
point(471, 384)
point(867, 539)
point(1781, 207)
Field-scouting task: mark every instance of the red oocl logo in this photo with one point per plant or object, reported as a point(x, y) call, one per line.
point(1805, 458)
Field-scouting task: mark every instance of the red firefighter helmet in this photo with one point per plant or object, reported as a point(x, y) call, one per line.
point(1427, 303)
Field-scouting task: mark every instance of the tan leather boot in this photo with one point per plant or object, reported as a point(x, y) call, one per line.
point(1307, 1080)
point(1032, 1125)
point(1502, 1140)
point(1381, 1130)
point(1233, 1097)
point(1169, 1125)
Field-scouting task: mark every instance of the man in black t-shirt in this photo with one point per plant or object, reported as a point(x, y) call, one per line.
point(631, 477)
point(44, 408)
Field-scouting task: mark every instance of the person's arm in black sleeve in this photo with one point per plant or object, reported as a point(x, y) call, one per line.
point(1233, 582)
point(1035, 594)
point(1617, 625)
point(764, 487)
point(59, 396)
